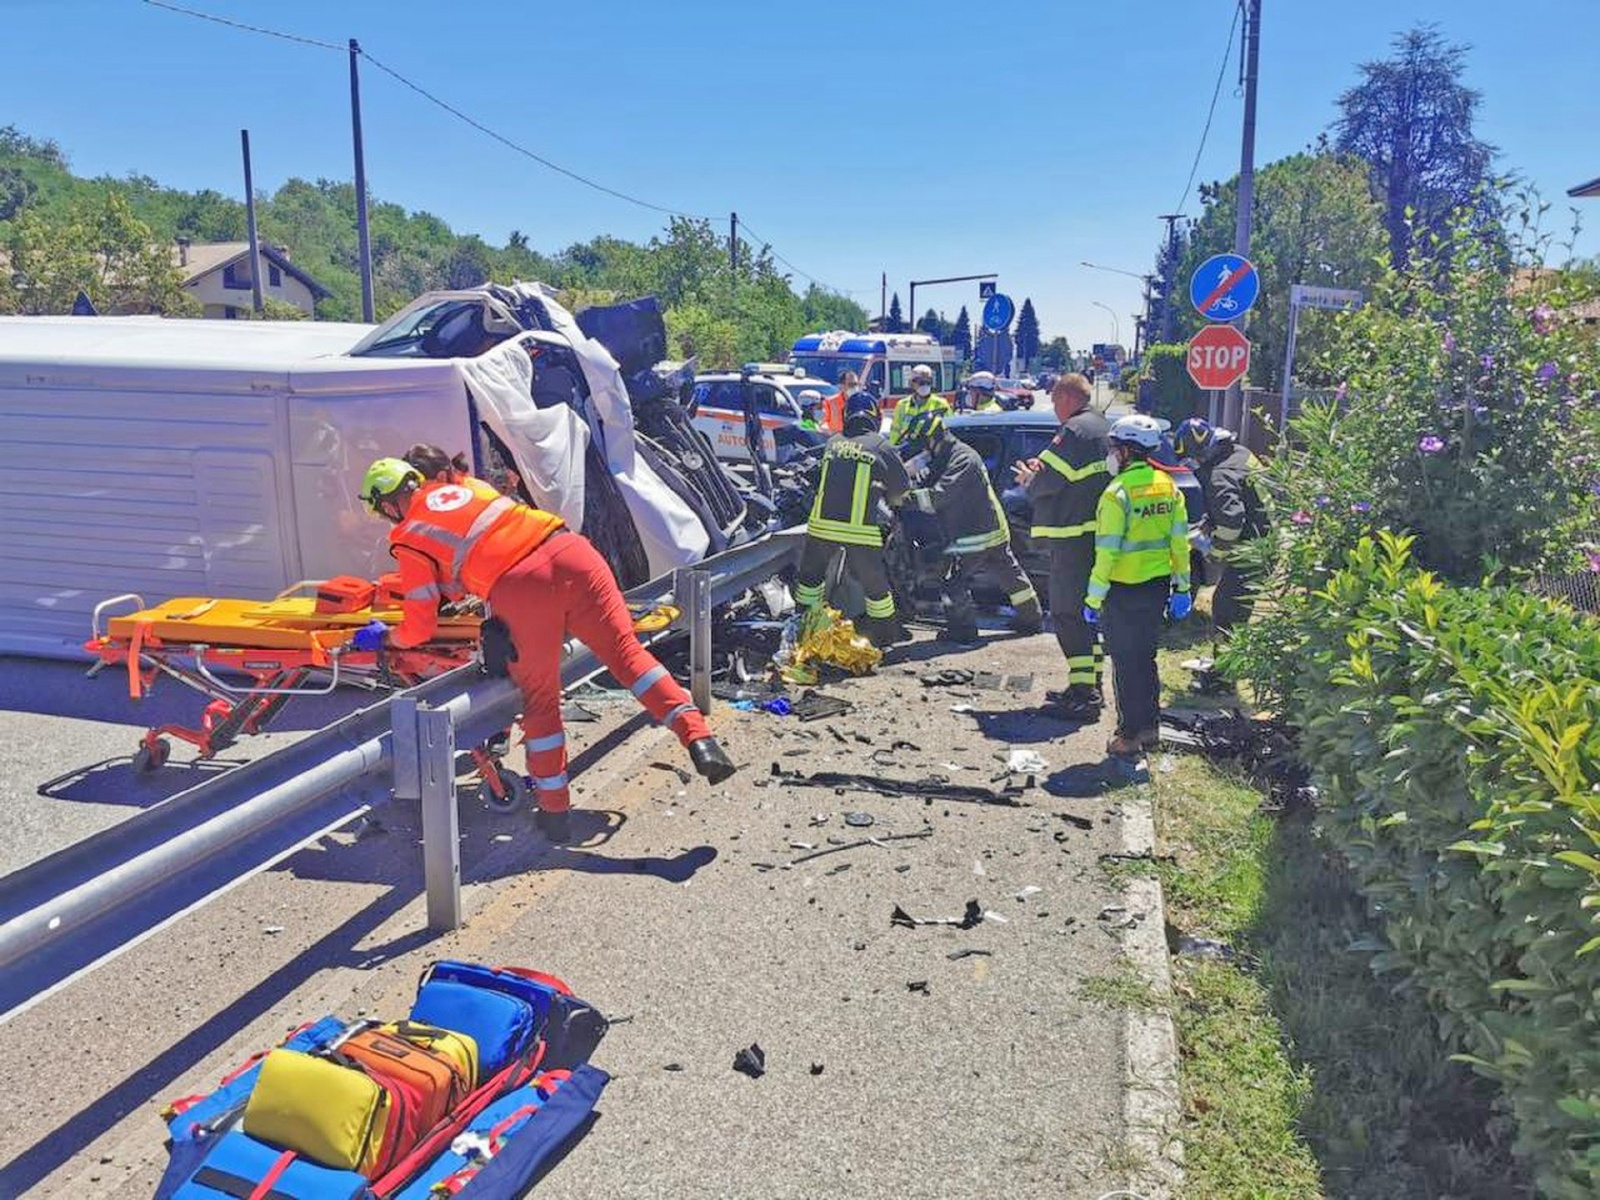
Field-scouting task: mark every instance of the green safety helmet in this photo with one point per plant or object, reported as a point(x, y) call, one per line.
point(386, 477)
point(925, 430)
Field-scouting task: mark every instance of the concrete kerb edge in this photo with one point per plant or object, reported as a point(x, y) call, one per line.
point(1152, 1103)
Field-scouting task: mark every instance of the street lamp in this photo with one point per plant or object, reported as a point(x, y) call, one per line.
point(1116, 326)
point(1114, 270)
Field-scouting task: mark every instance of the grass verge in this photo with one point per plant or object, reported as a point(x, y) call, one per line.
point(1303, 1075)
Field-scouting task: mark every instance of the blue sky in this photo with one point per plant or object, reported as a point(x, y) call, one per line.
point(920, 140)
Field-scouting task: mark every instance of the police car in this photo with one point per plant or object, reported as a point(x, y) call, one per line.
point(723, 401)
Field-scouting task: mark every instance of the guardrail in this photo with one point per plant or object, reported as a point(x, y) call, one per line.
point(70, 912)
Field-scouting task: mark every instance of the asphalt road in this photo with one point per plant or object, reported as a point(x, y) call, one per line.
point(678, 917)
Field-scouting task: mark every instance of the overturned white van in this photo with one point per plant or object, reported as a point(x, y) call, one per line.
point(215, 458)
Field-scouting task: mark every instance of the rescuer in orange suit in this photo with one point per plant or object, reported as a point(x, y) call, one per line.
point(459, 535)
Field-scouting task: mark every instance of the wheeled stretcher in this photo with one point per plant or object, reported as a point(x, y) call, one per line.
point(294, 645)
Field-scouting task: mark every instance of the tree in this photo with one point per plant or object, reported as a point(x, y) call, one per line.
point(961, 335)
point(1315, 222)
point(1056, 355)
point(894, 322)
point(1410, 118)
point(1027, 333)
point(933, 325)
point(98, 247)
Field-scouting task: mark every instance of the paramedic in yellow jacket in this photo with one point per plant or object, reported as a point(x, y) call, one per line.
point(1141, 569)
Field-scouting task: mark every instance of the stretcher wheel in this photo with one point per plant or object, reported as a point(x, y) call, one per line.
point(151, 756)
point(513, 793)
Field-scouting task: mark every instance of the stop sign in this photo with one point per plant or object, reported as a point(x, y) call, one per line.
point(1219, 355)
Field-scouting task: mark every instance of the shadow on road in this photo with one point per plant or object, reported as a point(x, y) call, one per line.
point(115, 781)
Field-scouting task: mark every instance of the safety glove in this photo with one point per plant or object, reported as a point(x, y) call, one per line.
point(1180, 605)
point(370, 637)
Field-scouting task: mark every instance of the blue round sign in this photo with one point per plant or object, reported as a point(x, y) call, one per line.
point(1224, 287)
point(998, 311)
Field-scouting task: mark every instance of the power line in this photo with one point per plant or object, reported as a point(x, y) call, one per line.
point(1233, 28)
point(484, 129)
point(812, 278)
point(523, 150)
point(204, 16)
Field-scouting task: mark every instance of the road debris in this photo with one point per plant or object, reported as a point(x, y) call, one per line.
point(1025, 762)
point(816, 1068)
point(969, 952)
point(870, 841)
point(1019, 683)
point(859, 820)
point(919, 986)
point(972, 917)
point(952, 677)
point(1076, 821)
point(816, 706)
point(926, 789)
point(751, 1061)
point(1030, 890)
point(683, 776)
point(1203, 947)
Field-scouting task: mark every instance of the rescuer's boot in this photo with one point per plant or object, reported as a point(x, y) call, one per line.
point(711, 760)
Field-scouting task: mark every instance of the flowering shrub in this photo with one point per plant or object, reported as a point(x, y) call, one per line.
point(1468, 417)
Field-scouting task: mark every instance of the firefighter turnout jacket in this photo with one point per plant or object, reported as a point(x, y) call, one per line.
point(1141, 532)
point(458, 538)
point(960, 494)
point(858, 470)
point(1066, 491)
point(1234, 504)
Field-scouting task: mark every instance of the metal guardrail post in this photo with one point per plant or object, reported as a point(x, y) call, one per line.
point(441, 821)
point(691, 591)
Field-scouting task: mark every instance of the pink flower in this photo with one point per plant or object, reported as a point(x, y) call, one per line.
point(1544, 319)
point(1449, 342)
point(1429, 444)
point(1302, 517)
point(1594, 560)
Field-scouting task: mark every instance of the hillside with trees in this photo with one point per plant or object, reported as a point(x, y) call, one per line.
point(108, 237)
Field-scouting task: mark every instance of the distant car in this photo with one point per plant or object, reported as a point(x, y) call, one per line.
point(720, 403)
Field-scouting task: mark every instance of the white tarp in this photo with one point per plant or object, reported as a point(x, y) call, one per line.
point(549, 443)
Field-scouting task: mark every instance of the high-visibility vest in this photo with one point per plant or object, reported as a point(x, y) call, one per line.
point(471, 533)
point(1141, 532)
point(833, 412)
point(913, 406)
point(845, 510)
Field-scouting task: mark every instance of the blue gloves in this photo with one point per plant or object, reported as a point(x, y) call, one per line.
point(1091, 616)
point(370, 637)
point(1180, 605)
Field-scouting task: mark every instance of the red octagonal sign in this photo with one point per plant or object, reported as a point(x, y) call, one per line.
point(1219, 355)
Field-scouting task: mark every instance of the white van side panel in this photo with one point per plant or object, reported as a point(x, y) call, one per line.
point(139, 489)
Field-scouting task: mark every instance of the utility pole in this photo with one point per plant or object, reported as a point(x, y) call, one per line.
point(1233, 409)
point(883, 298)
point(362, 231)
point(733, 248)
point(250, 220)
point(1169, 313)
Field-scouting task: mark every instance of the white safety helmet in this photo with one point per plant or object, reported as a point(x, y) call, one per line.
point(981, 381)
point(809, 398)
point(922, 373)
point(1137, 429)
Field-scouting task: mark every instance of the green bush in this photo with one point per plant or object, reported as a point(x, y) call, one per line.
point(1455, 733)
point(1166, 389)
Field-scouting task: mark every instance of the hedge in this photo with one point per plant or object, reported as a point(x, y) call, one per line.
point(1455, 734)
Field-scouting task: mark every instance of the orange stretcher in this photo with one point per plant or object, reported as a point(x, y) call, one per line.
point(294, 645)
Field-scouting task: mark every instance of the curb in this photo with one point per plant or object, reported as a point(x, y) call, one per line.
point(1152, 1106)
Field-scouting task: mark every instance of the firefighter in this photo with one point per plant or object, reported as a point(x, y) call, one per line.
point(922, 399)
point(1064, 485)
point(956, 488)
point(1141, 570)
point(859, 470)
point(544, 582)
point(1236, 511)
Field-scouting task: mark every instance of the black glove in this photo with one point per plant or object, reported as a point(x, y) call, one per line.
point(496, 646)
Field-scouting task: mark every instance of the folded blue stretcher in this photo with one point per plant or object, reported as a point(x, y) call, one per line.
point(535, 1095)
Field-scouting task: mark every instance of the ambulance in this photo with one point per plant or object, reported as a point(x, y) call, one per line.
point(882, 361)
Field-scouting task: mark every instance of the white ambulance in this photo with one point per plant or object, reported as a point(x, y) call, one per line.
point(882, 361)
